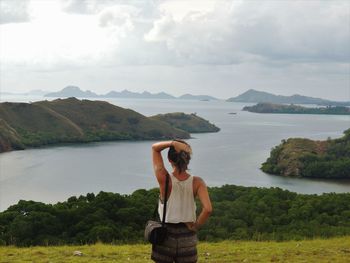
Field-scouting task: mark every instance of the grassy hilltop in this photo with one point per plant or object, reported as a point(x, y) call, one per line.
point(69, 120)
point(318, 251)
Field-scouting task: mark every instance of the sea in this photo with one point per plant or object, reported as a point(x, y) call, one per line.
point(231, 156)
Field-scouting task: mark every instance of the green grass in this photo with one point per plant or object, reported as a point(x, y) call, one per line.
point(319, 250)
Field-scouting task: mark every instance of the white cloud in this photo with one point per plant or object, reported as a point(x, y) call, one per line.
point(55, 40)
point(163, 29)
point(14, 11)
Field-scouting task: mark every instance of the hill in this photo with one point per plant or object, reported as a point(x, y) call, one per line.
point(72, 91)
point(72, 120)
point(136, 95)
point(317, 251)
point(187, 122)
point(261, 96)
point(9, 138)
point(295, 109)
point(307, 158)
point(197, 97)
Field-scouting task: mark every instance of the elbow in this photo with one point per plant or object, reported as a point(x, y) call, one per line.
point(157, 147)
point(208, 210)
point(154, 147)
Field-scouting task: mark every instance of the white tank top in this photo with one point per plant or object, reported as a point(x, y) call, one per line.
point(181, 206)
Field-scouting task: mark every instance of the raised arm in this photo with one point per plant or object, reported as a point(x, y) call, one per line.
point(158, 163)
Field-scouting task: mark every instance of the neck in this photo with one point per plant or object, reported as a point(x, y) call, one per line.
point(179, 174)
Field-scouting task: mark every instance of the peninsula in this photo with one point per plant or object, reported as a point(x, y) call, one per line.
point(187, 122)
point(300, 157)
point(295, 109)
point(24, 125)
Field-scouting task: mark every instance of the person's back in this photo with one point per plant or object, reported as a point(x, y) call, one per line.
point(181, 221)
point(181, 206)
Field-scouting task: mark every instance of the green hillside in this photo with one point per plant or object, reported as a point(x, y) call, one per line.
point(307, 158)
point(71, 120)
point(9, 138)
point(187, 122)
point(318, 251)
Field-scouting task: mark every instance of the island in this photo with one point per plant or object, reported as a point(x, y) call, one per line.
point(74, 91)
point(255, 96)
point(296, 109)
point(300, 157)
point(187, 122)
point(71, 120)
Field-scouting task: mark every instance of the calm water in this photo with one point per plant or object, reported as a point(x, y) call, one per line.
point(232, 156)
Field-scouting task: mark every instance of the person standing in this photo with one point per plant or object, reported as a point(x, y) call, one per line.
point(182, 223)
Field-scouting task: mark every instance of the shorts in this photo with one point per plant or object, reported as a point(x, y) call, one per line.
point(180, 246)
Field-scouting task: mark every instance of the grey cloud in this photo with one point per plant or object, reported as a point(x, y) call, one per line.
point(76, 6)
point(95, 6)
point(14, 11)
point(259, 31)
point(86, 6)
point(119, 16)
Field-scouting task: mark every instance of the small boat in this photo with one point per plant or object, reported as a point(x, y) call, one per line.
point(232, 113)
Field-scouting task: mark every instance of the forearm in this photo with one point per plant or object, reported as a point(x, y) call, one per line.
point(160, 146)
point(202, 218)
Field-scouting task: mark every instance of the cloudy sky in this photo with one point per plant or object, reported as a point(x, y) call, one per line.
point(216, 47)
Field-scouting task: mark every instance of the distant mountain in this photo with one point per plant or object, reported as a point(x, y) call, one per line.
point(144, 95)
point(72, 91)
point(261, 96)
point(197, 97)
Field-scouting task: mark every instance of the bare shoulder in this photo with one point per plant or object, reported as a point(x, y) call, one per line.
point(198, 182)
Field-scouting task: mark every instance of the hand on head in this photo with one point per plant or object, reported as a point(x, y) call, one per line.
point(182, 146)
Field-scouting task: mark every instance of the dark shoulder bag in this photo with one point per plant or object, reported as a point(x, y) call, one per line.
point(155, 231)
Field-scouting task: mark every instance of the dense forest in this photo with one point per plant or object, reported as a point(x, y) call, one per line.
point(307, 158)
point(296, 109)
point(240, 213)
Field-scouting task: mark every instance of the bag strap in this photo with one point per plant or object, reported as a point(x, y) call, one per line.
point(165, 198)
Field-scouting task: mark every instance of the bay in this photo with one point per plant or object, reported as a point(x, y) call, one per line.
point(231, 156)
